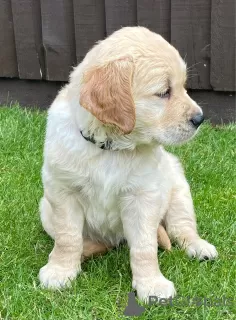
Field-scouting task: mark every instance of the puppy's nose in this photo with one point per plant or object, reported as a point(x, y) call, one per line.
point(197, 120)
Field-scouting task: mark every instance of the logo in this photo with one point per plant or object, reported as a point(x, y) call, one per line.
point(133, 308)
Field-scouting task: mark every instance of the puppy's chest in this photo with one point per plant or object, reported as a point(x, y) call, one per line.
point(100, 196)
point(101, 192)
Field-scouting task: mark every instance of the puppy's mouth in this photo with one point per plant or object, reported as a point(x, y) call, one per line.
point(177, 135)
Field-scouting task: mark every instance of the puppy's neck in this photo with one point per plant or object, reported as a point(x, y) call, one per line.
point(101, 134)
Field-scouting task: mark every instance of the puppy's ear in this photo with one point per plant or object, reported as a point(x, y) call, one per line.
point(106, 93)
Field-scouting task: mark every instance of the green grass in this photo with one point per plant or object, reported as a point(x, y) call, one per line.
point(101, 290)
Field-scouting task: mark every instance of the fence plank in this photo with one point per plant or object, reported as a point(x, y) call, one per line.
point(155, 15)
point(28, 38)
point(223, 45)
point(89, 19)
point(190, 34)
point(120, 13)
point(58, 38)
point(8, 63)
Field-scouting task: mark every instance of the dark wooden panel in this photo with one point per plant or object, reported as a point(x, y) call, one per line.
point(89, 19)
point(190, 34)
point(8, 64)
point(39, 94)
point(155, 15)
point(223, 44)
point(26, 34)
point(58, 38)
point(120, 13)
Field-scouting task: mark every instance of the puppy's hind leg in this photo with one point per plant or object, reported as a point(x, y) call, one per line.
point(46, 214)
point(181, 225)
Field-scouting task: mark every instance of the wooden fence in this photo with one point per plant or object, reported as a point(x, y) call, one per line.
point(43, 39)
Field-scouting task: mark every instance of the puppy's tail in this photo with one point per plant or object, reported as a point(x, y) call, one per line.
point(93, 248)
point(163, 238)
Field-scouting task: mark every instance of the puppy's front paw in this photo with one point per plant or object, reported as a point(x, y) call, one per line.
point(202, 250)
point(159, 287)
point(54, 277)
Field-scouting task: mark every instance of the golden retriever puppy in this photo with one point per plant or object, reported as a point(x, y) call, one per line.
point(106, 174)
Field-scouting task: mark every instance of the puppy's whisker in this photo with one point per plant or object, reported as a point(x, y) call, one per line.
point(202, 102)
point(192, 76)
point(193, 65)
point(185, 57)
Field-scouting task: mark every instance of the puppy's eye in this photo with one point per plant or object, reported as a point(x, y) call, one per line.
point(165, 94)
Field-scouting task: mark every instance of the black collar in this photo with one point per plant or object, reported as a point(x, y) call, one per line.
point(106, 145)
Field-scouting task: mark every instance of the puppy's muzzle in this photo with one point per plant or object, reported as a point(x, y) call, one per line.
point(197, 120)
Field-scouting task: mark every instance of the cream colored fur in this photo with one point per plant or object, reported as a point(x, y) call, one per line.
point(103, 196)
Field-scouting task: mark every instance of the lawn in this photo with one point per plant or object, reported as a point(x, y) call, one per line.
point(101, 290)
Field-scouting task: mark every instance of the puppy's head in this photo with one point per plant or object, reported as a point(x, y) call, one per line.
point(135, 81)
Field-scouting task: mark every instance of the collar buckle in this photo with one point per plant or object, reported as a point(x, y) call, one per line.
point(106, 145)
